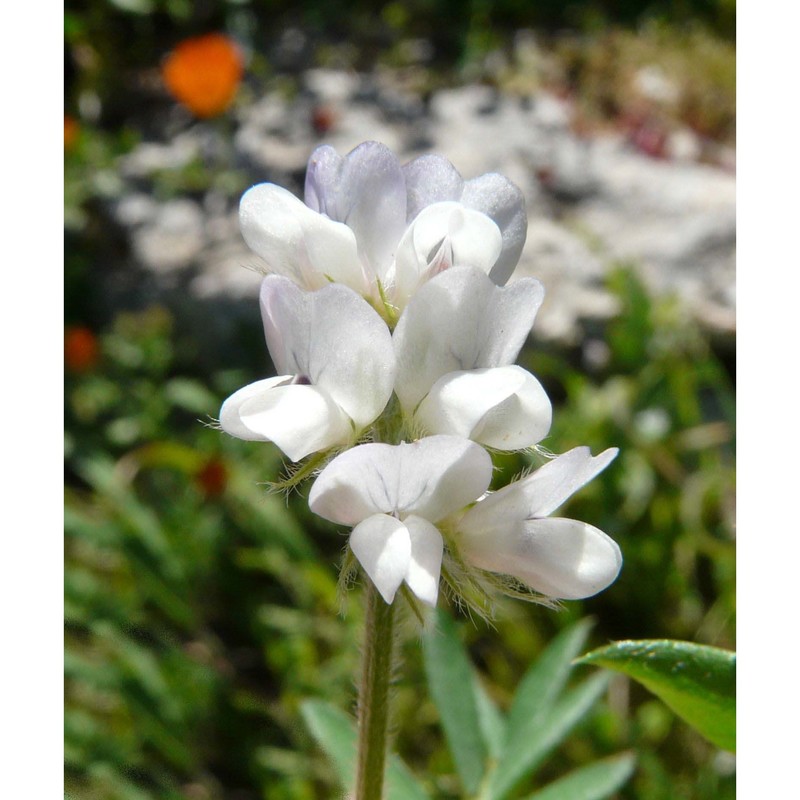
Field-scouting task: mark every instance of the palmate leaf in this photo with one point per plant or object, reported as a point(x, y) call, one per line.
point(594, 782)
point(336, 735)
point(696, 681)
point(452, 687)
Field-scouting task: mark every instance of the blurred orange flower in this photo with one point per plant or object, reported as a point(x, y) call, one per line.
point(204, 73)
point(70, 131)
point(81, 350)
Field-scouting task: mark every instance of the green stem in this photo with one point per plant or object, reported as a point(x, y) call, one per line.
point(373, 701)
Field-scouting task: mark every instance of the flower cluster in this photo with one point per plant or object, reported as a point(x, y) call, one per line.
point(388, 318)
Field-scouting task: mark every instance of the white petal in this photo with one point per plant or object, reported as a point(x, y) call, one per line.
point(502, 201)
point(426, 559)
point(430, 478)
point(537, 495)
point(460, 320)
point(560, 558)
point(430, 179)
point(299, 419)
point(229, 418)
point(383, 547)
point(298, 242)
point(504, 407)
point(442, 236)
point(335, 339)
point(366, 191)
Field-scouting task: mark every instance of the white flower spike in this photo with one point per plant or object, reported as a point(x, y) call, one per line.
point(336, 364)
point(394, 495)
point(456, 343)
point(510, 531)
point(384, 229)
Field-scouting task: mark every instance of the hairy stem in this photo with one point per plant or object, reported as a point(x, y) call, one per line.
point(373, 700)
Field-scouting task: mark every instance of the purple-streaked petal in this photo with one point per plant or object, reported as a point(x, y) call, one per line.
point(460, 320)
point(299, 419)
point(335, 340)
point(430, 179)
point(504, 407)
point(560, 558)
point(503, 201)
point(429, 478)
point(426, 559)
point(383, 547)
point(442, 236)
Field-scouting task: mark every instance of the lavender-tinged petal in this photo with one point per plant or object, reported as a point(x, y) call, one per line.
point(502, 201)
point(430, 179)
point(371, 200)
point(322, 179)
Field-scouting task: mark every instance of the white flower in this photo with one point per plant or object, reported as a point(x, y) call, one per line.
point(382, 228)
point(336, 364)
point(510, 531)
point(394, 495)
point(456, 343)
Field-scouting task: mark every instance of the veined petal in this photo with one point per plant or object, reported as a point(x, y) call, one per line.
point(425, 564)
point(443, 235)
point(298, 242)
point(502, 201)
point(561, 558)
point(333, 338)
point(322, 178)
point(366, 191)
point(430, 179)
point(299, 419)
point(382, 546)
point(503, 407)
point(460, 320)
point(430, 478)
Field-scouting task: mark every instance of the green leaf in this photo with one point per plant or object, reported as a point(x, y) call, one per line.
point(522, 756)
point(594, 782)
point(450, 680)
point(336, 735)
point(544, 681)
point(696, 681)
point(490, 719)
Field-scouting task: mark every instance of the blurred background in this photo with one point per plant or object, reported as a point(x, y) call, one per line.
point(200, 610)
